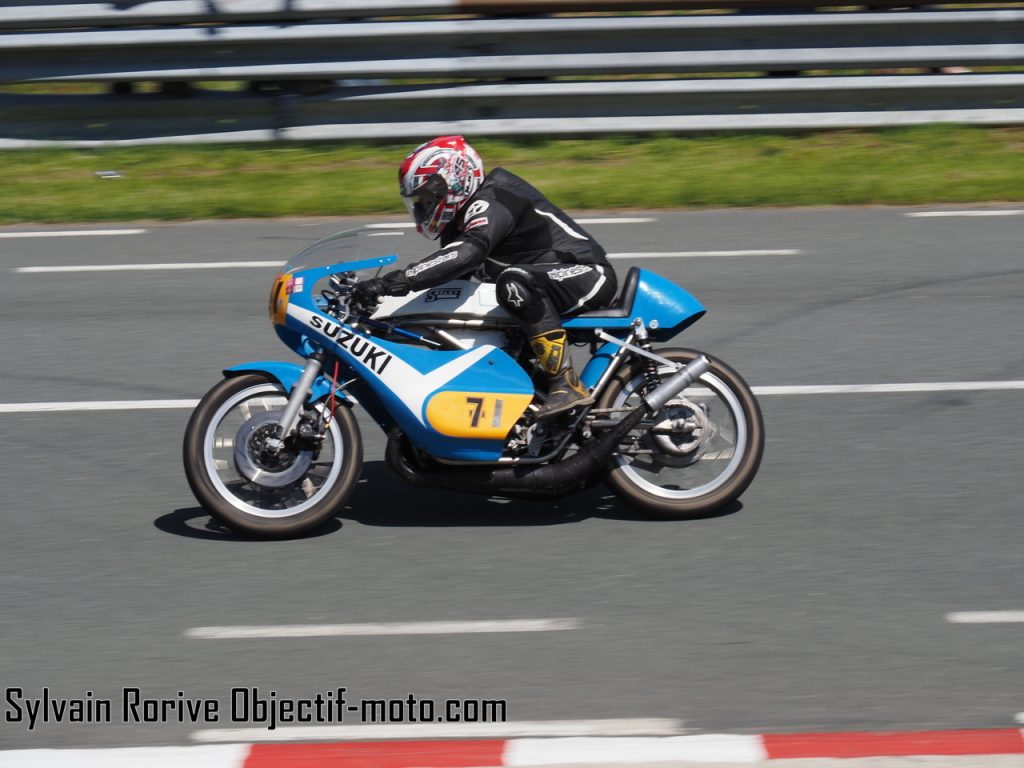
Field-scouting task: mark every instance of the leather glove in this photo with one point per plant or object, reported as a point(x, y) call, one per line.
point(368, 292)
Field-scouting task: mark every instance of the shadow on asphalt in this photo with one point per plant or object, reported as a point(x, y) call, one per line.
point(380, 499)
point(196, 523)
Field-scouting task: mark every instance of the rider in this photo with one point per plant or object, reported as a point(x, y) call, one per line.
point(502, 230)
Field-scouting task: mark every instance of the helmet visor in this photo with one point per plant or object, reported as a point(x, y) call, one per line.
point(423, 202)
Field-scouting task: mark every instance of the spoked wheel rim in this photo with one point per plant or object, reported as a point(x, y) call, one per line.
point(275, 502)
point(687, 465)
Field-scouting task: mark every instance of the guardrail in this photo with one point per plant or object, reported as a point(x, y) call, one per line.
point(538, 73)
point(515, 109)
point(520, 47)
point(42, 14)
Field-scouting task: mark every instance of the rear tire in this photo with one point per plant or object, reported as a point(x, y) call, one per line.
point(673, 475)
point(280, 509)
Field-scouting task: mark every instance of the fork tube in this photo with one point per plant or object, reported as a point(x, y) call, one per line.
point(290, 417)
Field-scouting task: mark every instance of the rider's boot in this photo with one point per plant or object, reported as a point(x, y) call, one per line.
point(565, 391)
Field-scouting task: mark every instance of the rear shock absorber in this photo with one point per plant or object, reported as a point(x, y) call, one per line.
point(644, 342)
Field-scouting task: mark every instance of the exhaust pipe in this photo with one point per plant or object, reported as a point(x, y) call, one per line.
point(543, 481)
point(692, 371)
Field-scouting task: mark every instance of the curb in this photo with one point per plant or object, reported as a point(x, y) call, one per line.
point(704, 749)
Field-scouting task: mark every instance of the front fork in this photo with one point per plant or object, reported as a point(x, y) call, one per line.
point(290, 417)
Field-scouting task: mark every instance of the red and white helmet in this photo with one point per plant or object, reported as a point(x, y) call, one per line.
point(435, 181)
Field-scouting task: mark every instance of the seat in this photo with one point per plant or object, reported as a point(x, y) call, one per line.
point(622, 305)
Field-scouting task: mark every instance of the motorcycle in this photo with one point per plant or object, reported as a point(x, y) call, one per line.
point(274, 449)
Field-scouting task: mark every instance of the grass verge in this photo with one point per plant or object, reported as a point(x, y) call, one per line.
point(935, 164)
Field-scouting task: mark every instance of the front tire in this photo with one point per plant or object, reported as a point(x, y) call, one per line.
point(698, 453)
point(308, 487)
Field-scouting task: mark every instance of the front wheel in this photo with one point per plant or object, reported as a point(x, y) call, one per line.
point(695, 455)
point(261, 493)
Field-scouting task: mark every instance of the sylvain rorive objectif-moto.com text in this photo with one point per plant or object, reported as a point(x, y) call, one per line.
point(248, 704)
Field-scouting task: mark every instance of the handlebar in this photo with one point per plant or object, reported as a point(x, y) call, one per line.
point(340, 300)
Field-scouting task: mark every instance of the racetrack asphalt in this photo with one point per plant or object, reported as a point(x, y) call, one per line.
point(817, 603)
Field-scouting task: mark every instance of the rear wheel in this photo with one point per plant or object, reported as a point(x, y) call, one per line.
point(238, 480)
point(695, 455)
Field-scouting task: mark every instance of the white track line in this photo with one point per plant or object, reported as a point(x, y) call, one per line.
point(809, 389)
point(139, 267)
point(859, 389)
point(268, 264)
point(73, 233)
point(97, 405)
point(945, 214)
point(986, 617)
point(396, 225)
point(581, 222)
point(623, 220)
point(700, 254)
point(373, 630)
point(209, 756)
point(509, 730)
point(701, 749)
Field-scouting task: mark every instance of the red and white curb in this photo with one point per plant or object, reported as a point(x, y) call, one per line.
point(703, 749)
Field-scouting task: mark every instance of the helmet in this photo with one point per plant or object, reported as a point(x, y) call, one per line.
point(435, 181)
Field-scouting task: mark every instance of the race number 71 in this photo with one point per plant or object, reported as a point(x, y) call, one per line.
point(477, 411)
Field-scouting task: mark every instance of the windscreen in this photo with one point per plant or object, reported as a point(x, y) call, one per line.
point(350, 245)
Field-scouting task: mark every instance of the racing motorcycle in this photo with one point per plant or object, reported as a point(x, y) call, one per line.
point(274, 449)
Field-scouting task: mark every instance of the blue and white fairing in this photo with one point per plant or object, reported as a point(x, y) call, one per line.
point(457, 404)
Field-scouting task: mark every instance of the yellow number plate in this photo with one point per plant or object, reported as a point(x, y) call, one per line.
point(486, 415)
